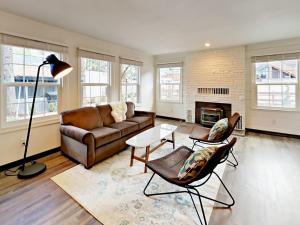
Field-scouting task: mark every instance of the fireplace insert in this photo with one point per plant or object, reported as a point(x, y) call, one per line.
point(209, 116)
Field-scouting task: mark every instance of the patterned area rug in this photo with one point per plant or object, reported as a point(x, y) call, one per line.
point(113, 192)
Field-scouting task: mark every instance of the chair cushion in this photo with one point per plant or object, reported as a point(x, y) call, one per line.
point(86, 118)
point(130, 110)
point(169, 165)
point(119, 110)
point(200, 133)
point(105, 135)
point(218, 130)
point(125, 127)
point(143, 121)
point(195, 162)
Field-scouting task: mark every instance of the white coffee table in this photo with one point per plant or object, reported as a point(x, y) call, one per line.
point(149, 137)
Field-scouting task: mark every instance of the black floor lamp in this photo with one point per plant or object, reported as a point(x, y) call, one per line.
point(58, 70)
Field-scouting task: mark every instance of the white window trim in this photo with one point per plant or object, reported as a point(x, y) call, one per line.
point(82, 84)
point(180, 101)
point(138, 84)
point(38, 120)
point(254, 92)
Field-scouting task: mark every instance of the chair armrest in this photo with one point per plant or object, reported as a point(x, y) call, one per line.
point(77, 133)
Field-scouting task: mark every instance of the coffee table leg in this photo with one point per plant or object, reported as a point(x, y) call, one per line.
point(132, 155)
point(173, 140)
point(147, 157)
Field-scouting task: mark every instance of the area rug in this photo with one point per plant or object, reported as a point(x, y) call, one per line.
point(113, 192)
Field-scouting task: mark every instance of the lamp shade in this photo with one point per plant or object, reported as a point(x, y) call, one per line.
point(58, 68)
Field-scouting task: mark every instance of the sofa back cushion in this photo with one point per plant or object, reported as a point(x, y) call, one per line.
point(105, 113)
point(130, 110)
point(86, 118)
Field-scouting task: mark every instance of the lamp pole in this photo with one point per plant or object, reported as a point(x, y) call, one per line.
point(38, 167)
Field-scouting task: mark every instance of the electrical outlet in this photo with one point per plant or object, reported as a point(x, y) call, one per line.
point(23, 141)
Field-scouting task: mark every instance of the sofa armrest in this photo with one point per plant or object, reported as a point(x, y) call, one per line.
point(77, 133)
point(145, 113)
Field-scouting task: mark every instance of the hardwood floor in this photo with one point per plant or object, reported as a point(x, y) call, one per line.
point(40, 200)
point(265, 186)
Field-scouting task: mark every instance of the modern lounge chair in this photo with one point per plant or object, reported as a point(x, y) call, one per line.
point(168, 167)
point(200, 135)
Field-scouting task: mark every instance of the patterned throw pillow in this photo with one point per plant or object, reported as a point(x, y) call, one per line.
point(195, 162)
point(218, 130)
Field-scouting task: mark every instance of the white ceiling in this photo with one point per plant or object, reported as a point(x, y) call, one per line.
point(164, 26)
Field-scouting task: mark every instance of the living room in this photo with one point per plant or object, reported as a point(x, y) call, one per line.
point(184, 66)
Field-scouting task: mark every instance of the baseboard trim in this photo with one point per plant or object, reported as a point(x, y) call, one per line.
point(170, 118)
point(273, 133)
point(29, 159)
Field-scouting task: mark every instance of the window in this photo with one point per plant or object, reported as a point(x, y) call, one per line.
point(19, 71)
point(96, 70)
point(130, 80)
point(276, 81)
point(170, 83)
point(95, 81)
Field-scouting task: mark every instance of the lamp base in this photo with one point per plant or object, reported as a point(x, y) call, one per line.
point(31, 170)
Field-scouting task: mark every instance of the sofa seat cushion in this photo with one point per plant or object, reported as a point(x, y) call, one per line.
point(104, 135)
point(143, 121)
point(125, 127)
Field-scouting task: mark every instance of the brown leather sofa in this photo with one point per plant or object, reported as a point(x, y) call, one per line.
point(90, 134)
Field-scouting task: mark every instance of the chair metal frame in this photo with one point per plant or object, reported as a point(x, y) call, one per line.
point(221, 142)
point(191, 188)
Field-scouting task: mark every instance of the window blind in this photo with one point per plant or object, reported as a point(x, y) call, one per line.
point(95, 55)
point(168, 65)
point(30, 43)
point(130, 62)
point(277, 57)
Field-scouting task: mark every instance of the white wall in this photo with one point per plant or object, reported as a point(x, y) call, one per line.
point(46, 136)
point(271, 120)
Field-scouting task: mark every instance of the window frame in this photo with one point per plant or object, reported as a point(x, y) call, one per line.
point(82, 84)
point(40, 119)
point(138, 84)
point(255, 85)
point(180, 85)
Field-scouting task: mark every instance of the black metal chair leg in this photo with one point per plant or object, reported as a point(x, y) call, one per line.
point(233, 201)
point(202, 209)
point(236, 162)
point(148, 184)
point(160, 193)
point(211, 199)
point(194, 143)
point(233, 164)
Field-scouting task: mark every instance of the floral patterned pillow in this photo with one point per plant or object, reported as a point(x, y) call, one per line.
point(218, 130)
point(195, 162)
